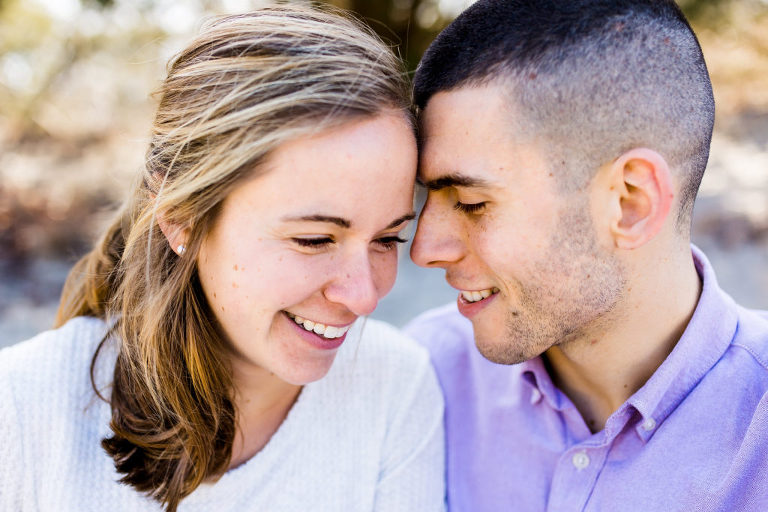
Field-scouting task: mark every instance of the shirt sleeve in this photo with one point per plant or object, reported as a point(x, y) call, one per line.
point(413, 467)
point(11, 467)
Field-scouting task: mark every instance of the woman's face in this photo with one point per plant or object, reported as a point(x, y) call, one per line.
point(304, 248)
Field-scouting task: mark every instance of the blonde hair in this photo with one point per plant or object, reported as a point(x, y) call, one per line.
point(244, 86)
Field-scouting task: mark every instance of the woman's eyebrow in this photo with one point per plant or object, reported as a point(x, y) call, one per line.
point(341, 222)
point(400, 220)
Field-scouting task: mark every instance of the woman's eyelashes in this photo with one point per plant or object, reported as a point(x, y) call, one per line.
point(386, 242)
point(390, 242)
point(472, 208)
point(314, 243)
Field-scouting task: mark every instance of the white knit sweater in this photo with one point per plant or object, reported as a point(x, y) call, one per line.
point(367, 437)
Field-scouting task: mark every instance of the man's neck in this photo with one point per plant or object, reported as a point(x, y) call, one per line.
point(602, 369)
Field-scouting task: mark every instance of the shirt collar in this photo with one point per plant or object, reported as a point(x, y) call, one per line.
point(705, 340)
point(535, 373)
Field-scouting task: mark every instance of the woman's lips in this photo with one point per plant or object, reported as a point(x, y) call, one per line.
point(313, 335)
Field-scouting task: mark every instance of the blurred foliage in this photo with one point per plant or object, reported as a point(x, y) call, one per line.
point(409, 24)
point(697, 10)
point(41, 44)
point(100, 3)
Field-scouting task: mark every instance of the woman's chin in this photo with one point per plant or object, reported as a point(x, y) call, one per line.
point(300, 375)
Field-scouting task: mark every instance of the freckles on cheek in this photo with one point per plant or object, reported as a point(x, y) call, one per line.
point(291, 285)
point(384, 273)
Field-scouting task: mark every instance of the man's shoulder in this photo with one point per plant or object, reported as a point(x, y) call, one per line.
point(449, 338)
point(444, 332)
point(752, 334)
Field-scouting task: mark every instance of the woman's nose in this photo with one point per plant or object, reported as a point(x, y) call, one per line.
point(355, 285)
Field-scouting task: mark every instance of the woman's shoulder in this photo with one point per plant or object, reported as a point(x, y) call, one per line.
point(55, 362)
point(383, 345)
point(53, 421)
point(76, 335)
point(379, 360)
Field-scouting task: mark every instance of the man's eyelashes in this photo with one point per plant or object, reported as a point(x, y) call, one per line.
point(469, 208)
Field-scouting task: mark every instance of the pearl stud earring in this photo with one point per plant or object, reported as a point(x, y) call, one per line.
point(181, 249)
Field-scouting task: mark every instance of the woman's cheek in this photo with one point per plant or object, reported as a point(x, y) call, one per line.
point(384, 270)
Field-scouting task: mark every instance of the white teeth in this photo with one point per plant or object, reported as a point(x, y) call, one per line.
point(474, 296)
point(326, 331)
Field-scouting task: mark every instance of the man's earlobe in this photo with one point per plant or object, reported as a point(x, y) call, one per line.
point(645, 197)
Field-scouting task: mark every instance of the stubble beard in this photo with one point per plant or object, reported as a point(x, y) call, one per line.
point(574, 288)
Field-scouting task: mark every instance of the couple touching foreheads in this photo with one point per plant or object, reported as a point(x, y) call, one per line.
point(209, 352)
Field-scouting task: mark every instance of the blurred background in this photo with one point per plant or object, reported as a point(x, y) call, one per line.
point(76, 78)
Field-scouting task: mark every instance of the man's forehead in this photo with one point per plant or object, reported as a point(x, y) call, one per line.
point(472, 96)
point(471, 114)
point(455, 155)
point(467, 165)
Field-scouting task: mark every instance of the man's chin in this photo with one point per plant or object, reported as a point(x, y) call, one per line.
point(499, 350)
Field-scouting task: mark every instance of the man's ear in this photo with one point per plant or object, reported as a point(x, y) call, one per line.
point(175, 234)
point(642, 185)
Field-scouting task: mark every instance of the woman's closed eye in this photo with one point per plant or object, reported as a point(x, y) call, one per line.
point(389, 242)
point(472, 208)
point(314, 242)
point(386, 242)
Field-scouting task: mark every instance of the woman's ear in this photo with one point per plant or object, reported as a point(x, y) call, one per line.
point(174, 233)
point(645, 195)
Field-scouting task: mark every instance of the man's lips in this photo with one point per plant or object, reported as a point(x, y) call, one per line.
point(477, 295)
point(471, 302)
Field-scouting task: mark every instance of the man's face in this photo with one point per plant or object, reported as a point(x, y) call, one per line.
point(524, 254)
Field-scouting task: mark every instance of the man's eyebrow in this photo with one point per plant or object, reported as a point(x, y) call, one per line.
point(454, 180)
point(400, 220)
point(344, 223)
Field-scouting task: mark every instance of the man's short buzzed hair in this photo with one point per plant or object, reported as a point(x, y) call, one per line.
point(593, 78)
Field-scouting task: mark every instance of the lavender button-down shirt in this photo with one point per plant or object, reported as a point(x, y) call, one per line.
point(693, 438)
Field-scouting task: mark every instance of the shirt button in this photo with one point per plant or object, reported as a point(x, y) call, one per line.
point(649, 424)
point(580, 460)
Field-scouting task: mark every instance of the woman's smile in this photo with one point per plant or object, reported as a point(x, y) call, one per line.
point(328, 331)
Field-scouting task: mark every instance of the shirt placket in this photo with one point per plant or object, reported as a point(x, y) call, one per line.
point(575, 477)
point(580, 466)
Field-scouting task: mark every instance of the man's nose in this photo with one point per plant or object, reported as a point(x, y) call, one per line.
point(437, 242)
